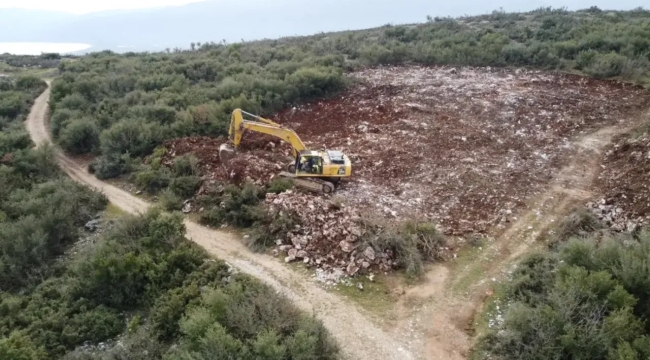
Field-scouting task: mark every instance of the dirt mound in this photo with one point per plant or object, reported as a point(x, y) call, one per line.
point(328, 237)
point(624, 181)
point(258, 160)
point(459, 147)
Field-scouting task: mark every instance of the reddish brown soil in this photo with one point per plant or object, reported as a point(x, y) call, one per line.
point(457, 147)
point(625, 178)
point(259, 158)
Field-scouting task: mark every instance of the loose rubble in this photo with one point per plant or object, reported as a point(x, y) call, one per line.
point(465, 148)
point(624, 182)
point(93, 225)
point(459, 147)
point(328, 238)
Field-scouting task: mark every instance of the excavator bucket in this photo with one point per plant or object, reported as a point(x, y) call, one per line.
point(226, 153)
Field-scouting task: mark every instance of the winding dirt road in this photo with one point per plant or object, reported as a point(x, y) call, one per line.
point(358, 336)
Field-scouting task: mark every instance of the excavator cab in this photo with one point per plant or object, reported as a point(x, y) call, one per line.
point(310, 165)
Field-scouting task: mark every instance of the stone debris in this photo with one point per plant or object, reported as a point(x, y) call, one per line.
point(465, 148)
point(615, 217)
point(624, 183)
point(328, 237)
point(93, 225)
point(187, 207)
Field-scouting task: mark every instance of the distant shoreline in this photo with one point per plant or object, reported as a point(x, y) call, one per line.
point(37, 48)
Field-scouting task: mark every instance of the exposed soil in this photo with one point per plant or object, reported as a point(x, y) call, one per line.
point(460, 147)
point(259, 159)
point(624, 179)
point(464, 148)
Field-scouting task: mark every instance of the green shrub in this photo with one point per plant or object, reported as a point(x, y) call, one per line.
point(244, 318)
point(170, 201)
point(186, 186)
point(60, 120)
point(20, 347)
point(153, 181)
point(270, 228)
point(186, 165)
point(588, 300)
point(80, 136)
point(585, 59)
point(280, 185)
point(134, 137)
point(236, 205)
point(412, 245)
point(12, 104)
point(111, 166)
point(579, 223)
point(607, 65)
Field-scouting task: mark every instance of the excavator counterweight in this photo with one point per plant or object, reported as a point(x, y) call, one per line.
point(315, 170)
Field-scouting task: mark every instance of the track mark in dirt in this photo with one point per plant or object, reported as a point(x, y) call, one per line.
point(359, 337)
point(456, 296)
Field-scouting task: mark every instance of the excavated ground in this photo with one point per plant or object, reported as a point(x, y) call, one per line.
point(464, 148)
point(623, 182)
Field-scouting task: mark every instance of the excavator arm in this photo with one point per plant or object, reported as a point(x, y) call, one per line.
point(238, 125)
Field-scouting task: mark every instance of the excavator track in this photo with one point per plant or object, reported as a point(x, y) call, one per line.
point(311, 184)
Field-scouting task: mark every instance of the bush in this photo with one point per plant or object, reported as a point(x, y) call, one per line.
point(60, 119)
point(153, 181)
point(186, 165)
point(608, 65)
point(236, 205)
point(280, 185)
point(80, 136)
point(412, 245)
point(186, 186)
point(579, 223)
point(134, 137)
point(111, 166)
point(270, 228)
point(588, 300)
point(245, 318)
point(171, 201)
point(20, 347)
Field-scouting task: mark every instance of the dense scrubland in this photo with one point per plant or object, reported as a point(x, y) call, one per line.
point(138, 290)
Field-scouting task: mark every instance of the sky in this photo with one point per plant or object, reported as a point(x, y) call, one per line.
point(87, 6)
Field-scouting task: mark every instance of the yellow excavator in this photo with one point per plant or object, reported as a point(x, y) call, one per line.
point(315, 170)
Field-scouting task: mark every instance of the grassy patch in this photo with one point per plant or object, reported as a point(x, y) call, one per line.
point(375, 296)
point(113, 212)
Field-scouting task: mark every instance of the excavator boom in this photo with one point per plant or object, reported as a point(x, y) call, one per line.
point(238, 125)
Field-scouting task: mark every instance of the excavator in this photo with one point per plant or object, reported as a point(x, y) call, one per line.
point(314, 170)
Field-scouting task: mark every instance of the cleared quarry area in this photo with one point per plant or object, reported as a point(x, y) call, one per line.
point(464, 148)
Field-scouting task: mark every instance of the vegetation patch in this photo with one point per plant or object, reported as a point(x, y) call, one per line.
point(585, 300)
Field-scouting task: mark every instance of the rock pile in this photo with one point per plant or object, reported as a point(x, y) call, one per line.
point(614, 216)
point(329, 236)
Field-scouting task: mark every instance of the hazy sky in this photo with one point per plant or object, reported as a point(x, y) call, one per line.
point(86, 6)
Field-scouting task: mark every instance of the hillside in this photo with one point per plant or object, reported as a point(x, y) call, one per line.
point(230, 20)
point(498, 195)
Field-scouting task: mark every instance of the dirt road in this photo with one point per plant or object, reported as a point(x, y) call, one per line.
point(358, 336)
